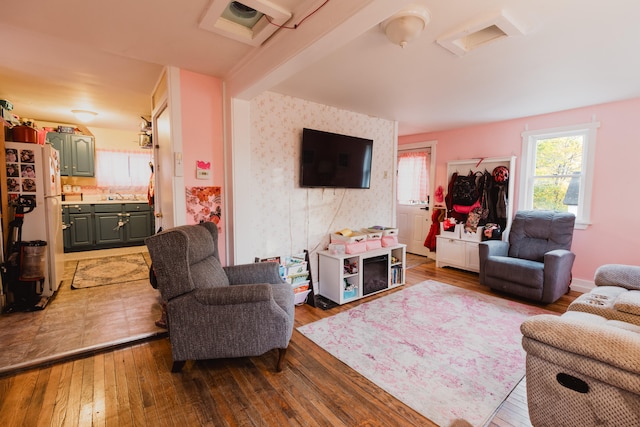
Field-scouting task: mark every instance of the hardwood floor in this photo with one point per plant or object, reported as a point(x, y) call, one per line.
point(134, 385)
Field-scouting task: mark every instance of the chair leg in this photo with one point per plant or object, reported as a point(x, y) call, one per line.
point(177, 366)
point(282, 352)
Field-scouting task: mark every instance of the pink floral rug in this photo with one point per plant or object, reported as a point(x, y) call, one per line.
point(445, 351)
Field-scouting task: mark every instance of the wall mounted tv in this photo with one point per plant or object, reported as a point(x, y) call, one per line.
point(334, 160)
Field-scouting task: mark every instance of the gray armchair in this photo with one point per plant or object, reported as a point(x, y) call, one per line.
point(536, 261)
point(214, 311)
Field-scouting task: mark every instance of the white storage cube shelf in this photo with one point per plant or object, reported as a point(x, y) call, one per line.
point(341, 277)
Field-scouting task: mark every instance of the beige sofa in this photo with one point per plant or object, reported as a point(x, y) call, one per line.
point(582, 370)
point(616, 295)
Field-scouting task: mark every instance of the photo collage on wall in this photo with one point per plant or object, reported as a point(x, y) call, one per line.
point(21, 172)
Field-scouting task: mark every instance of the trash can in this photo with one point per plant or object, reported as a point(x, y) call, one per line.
point(32, 260)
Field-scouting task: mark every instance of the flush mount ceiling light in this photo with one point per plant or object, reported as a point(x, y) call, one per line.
point(84, 116)
point(250, 21)
point(406, 25)
point(480, 32)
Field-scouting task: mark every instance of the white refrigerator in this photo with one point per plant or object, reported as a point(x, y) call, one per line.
point(34, 170)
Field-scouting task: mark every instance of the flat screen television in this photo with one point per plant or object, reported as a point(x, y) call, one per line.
point(335, 161)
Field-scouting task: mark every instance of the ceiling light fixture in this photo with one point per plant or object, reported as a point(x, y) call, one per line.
point(84, 116)
point(406, 25)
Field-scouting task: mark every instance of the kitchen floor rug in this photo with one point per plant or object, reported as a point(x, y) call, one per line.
point(447, 352)
point(107, 271)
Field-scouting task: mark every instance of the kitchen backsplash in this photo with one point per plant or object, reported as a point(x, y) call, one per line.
point(93, 193)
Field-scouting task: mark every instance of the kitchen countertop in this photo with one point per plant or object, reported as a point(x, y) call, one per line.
point(100, 202)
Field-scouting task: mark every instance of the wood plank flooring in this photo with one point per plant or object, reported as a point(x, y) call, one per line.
point(134, 386)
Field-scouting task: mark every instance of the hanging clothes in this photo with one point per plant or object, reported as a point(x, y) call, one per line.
point(437, 217)
point(150, 189)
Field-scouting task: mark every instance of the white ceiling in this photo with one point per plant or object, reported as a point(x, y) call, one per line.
point(107, 57)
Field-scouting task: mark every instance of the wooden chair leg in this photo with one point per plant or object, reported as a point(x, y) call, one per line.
point(177, 366)
point(282, 352)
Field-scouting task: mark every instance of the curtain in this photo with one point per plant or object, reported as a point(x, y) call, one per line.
point(413, 177)
point(122, 168)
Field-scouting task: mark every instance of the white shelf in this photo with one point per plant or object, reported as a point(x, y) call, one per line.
point(332, 276)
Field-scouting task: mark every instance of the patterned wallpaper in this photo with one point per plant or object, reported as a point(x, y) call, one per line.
point(290, 218)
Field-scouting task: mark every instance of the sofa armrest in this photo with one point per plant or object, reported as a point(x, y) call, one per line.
point(259, 272)
point(624, 276)
point(613, 343)
point(488, 249)
point(493, 248)
point(228, 295)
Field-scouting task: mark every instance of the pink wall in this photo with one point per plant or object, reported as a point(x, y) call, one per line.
point(202, 136)
point(612, 236)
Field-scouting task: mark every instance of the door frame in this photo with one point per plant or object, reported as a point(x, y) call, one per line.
point(431, 145)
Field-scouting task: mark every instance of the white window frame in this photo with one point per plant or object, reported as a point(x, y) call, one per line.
point(527, 170)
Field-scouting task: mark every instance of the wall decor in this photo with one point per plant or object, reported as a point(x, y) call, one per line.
point(204, 204)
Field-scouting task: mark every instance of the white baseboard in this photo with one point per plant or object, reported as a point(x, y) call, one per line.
point(581, 285)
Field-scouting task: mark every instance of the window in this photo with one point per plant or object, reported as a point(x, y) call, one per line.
point(557, 170)
point(413, 177)
point(120, 168)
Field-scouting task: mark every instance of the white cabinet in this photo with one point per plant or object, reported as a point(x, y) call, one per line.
point(457, 253)
point(343, 278)
point(461, 250)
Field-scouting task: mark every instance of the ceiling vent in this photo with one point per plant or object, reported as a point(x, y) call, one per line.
point(250, 21)
point(479, 33)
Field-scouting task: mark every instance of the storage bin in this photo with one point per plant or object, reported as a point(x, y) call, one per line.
point(297, 278)
point(350, 293)
point(353, 238)
point(388, 241)
point(356, 248)
point(373, 235)
point(295, 268)
point(390, 232)
point(301, 297)
point(373, 244)
point(336, 248)
point(451, 233)
point(25, 134)
point(470, 236)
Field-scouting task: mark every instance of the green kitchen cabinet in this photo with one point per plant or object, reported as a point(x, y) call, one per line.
point(77, 153)
point(139, 222)
point(106, 225)
point(80, 227)
point(109, 223)
point(66, 228)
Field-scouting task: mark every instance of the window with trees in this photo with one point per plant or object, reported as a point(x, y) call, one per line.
point(557, 170)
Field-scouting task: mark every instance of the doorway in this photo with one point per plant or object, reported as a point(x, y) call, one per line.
point(416, 174)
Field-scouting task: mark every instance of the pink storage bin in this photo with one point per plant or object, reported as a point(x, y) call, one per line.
point(374, 244)
point(356, 248)
point(390, 240)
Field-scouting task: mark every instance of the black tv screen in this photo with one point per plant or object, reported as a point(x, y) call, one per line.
point(334, 160)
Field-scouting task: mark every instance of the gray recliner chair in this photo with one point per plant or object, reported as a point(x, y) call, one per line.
point(536, 261)
point(214, 311)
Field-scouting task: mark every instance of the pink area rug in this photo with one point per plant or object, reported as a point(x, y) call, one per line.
point(444, 351)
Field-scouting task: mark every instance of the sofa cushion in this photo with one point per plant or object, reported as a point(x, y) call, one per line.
point(624, 276)
point(628, 302)
point(528, 273)
point(208, 273)
point(534, 233)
